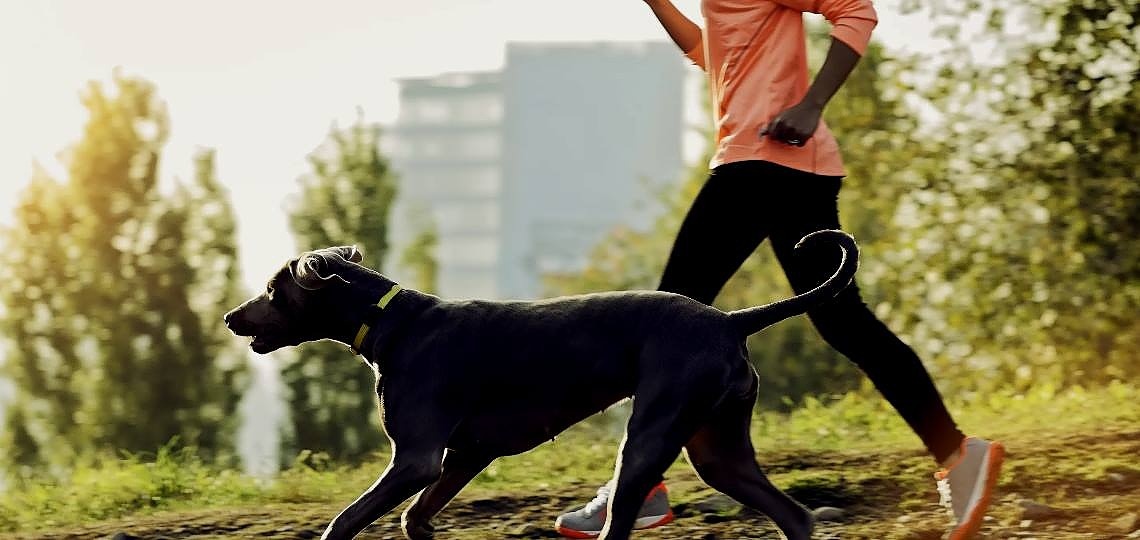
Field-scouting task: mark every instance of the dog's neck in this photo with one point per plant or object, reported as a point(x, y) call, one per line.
point(376, 313)
point(366, 325)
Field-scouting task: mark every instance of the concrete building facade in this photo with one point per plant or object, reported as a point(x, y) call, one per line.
point(524, 171)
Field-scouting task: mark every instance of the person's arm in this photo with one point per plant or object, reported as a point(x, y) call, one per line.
point(852, 22)
point(684, 32)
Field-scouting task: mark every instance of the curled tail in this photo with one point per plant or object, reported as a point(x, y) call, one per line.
point(752, 320)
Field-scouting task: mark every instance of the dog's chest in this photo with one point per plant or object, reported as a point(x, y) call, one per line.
point(512, 431)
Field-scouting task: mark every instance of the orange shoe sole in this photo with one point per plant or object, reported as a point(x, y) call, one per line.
point(973, 522)
point(571, 533)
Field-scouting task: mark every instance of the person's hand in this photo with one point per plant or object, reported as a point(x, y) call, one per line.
point(795, 125)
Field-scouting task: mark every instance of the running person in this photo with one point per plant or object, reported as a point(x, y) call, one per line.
point(776, 174)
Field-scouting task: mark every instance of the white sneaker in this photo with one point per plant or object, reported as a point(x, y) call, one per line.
point(587, 521)
point(966, 486)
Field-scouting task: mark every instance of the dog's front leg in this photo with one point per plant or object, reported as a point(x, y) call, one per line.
point(408, 473)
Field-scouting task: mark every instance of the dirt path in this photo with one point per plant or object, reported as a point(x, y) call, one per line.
point(1084, 502)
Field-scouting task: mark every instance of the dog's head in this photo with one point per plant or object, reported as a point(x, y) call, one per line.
point(299, 302)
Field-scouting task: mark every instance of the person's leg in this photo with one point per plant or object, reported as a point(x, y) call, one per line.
point(721, 229)
point(809, 203)
point(847, 324)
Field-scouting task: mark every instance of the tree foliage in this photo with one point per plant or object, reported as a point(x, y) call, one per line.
point(344, 200)
point(1034, 218)
point(111, 293)
point(420, 257)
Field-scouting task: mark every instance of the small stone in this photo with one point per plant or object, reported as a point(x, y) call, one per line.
point(1002, 533)
point(717, 504)
point(682, 510)
point(829, 513)
point(905, 518)
point(1115, 477)
point(1031, 510)
point(1025, 523)
point(1127, 523)
point(714, 518)
point(1134, 535)
point(527, 530)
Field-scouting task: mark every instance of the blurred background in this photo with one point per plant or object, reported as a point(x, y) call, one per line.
point(160, 160)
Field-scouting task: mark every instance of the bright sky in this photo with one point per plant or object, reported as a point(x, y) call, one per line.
point(262, 80)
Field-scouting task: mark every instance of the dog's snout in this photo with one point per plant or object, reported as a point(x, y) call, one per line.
point(232, 319)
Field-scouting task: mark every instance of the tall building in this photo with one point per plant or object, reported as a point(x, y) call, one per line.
point(524, 171)
point(446, 147)
point(590, 131)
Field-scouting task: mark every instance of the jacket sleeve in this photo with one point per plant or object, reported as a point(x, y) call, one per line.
point(697, 53)
point(851, 20)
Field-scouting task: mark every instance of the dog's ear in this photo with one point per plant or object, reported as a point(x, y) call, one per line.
point(315, 271)
point(349, 253)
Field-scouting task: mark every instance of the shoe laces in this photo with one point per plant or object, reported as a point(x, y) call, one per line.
point(599, 502)
point(945, 497)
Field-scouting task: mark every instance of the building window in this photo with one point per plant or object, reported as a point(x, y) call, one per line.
point(479, 146)
point(480, 109)
point(427, 148)
point(467, 283)
point(467, 216)
point(483, 181)
point(427, 111)
point(469, 251)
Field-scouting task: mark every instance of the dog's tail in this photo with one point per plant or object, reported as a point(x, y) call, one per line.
point(752, 320)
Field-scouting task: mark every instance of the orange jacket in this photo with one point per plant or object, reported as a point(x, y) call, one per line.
point(755, 53)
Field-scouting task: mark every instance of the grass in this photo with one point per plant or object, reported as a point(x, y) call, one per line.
point(811, 450)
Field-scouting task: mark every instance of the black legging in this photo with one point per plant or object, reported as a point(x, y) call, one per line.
point(744, 202)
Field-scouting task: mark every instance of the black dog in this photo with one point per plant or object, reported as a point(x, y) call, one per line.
point(463, 383)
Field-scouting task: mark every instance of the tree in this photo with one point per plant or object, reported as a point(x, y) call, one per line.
point(39, 281)
point(344, 200)
point(420, 257)
point(112, 348)
point(209, 249)
point(1034, 217)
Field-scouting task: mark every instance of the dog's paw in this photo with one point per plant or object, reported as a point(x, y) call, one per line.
point(416, 529)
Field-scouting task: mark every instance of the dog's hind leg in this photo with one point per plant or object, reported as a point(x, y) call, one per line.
point(721, 453)
point(664, 417)
point(458, 469)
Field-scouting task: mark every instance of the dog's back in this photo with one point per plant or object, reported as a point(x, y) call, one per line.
point(527, 370)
